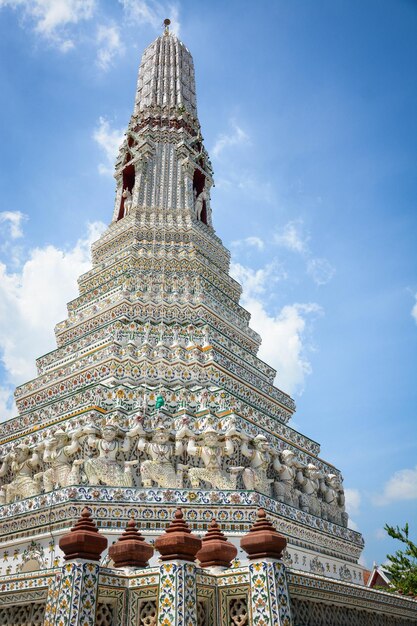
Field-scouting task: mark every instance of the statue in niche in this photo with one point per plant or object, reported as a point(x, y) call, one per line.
point(333, 505)
point(286, 467)
point(175, 335)
point(22, 464)
point(127, 205)
point(211, 451)
point(206, 336)
point(104, 469)
point(146, 333)
point(161, 334)
point(190, 331)
point(260, 455)
point(57, 452)
point(204, 400)
point(141, 407)
point(175, 284)
point(160, 468)
point(199, 201)
point(98, 396)
point(308, 480)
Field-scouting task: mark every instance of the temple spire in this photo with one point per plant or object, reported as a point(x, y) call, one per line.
point(162, 162)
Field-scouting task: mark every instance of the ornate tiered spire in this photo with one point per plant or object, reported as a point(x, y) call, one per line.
point(131, 549)
point(162, 163)
point(83, 540)
point(216, 551)
point(166, 76)
point(178, 542)
point(263, 541)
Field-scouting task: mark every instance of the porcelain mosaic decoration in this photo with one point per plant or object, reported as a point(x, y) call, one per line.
point(153, 398)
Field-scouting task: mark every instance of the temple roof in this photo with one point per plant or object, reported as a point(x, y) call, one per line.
point(166, 76)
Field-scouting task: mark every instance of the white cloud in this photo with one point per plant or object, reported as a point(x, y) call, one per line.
point(380, 534)
point(283, 344)
point(153, 13)
point(109, 45)
point(13, 219)
point(32, 301)
point(109, 139)
point(401, 486)
point(7, 404)
point(50, 18)
point(320, 270)
point(235, 137)
point(284, 336)
point(362, 560)
point(253, 281)
point(353, 501)
point(352, 524)
point(414, 310)
point(244, 181)
point(292, 237)
point(254, 242)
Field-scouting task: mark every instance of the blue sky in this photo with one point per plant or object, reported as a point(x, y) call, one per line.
point(308, 110)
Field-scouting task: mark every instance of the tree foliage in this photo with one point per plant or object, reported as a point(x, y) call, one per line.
point(403, 564)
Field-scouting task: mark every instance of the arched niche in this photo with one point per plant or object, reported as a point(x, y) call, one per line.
point(199, 181)
point(128, 182)
point(31, 565)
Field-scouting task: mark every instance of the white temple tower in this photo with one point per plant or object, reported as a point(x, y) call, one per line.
point(156, 371)
point(155, 399)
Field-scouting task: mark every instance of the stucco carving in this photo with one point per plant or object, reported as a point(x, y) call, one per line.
point(160, 468)
point(308, 481)
point(284, 486)
point(21, 462)
point(260, 456)
point(58, 452)
point(109, 442)
point(211, 450)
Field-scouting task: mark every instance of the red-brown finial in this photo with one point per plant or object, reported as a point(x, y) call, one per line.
point(263, 541)
point(83, 540)
point(131, 549)
point(216, 551)
point(178, 542)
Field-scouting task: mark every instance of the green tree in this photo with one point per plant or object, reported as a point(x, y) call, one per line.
point(403, 564)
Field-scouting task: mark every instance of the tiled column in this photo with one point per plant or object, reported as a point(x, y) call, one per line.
point(73, 601)
point(52, 599)
point(177, 605)
point(269, 598)
point(177, 600)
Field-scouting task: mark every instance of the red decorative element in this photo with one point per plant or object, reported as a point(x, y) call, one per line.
point(216, 551)
point(83, 541)
point(178, 542)
point(131, 549)
point(263, 541)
